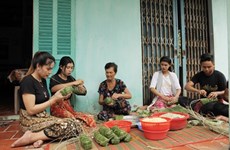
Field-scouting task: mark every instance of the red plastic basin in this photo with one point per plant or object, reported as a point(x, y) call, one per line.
point(176, 123)
point(155, 135)
point(155, 126)
point(122, 124)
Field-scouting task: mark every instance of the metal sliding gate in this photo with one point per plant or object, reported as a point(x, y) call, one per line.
point(174, 28)
point(197, 35)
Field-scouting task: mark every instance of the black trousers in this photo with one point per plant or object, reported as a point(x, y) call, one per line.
point(214, 108)
point(221, 109)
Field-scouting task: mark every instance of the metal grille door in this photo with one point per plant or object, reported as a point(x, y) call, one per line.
point(157, 38)
point(197, 38)
point(174, 28)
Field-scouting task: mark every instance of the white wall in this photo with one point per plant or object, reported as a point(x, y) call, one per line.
point(108, 30)
point(228, 18)
point(219, 8)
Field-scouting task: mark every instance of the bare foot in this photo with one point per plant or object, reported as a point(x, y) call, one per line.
point(38, 144)
point(24, 140)
point(223, 118)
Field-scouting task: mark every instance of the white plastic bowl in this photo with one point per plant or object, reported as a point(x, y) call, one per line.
point(132, 118)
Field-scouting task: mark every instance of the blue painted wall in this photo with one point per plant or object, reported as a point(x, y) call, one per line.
point(107, 31)
point(110, 30)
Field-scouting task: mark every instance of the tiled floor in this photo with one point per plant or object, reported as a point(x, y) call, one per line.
point(10, 131)
point(9, 126)
point(8, 134)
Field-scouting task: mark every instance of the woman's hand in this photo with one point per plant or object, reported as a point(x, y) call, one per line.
point(79, 81)
point(115, 96)
point(169, 100)
point(166, 99)
point(111, 104)
point(58, 96)
point(173, 100)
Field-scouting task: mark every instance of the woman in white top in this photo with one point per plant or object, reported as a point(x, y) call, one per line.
point(165, 85)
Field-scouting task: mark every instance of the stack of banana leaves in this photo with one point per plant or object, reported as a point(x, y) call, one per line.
point(177, 108)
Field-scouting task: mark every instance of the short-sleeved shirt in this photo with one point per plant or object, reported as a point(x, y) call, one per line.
point(215, 82)
point(29, 85)
point(55, 80)
point(119, 88)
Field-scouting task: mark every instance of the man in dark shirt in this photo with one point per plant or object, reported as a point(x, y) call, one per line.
point(212, 85)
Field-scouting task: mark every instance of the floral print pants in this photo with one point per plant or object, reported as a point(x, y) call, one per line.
point(53, 127)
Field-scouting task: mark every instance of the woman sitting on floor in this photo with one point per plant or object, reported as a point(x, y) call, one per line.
point(165, 86)
point(116, 90)
point(34, 99)
point(62, 79)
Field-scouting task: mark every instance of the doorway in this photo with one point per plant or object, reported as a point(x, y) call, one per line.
point(16, 45)
point(178, 29)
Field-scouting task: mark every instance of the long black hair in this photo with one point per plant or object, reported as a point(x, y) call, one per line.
point(168, 60)
point(64, 62)
point(40, 58)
